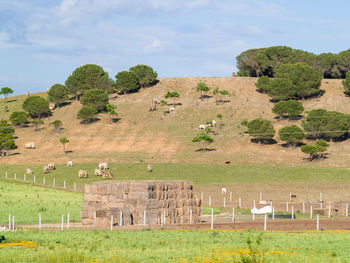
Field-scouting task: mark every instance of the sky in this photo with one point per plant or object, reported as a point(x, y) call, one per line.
point(43, 41)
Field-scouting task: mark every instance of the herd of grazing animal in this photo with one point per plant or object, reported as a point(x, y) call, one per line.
point(209, 124)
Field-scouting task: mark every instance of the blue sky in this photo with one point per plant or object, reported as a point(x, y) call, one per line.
point(42, 42)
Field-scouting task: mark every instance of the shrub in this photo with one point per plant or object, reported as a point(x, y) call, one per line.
point(19, 118)
point(58, 93)
point(36, 106)
point(261, 129)
point(263, 84)
point(291, 108)
point(95, 98)
point(346, 83)
point(146, 76)
point(292, 134)
point(86, 114)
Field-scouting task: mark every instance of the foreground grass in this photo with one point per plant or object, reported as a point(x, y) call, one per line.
point(175, 246)
point(25, 202)
point(199, 173)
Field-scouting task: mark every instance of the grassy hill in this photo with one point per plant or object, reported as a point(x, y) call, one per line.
point(141, 135)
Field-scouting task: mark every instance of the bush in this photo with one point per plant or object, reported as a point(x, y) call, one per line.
point(292, 134)
point(281, 89)
point(86, 114)
point(58, 93)
point(126, 82)
point(261, 129)
point(263, 84)
point(19, 118)
point(323, 124)
point(95, 98)
point(146, 76)
point(346, 84)
point(36, 106)
point(291, 108)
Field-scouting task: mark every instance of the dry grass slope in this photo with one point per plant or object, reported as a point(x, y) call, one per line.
point(155, 137)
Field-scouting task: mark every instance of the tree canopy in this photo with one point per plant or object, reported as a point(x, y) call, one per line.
point(6, 91)
point(261, 129)
point(87, 77)
point(346, 83)
point(290, 108)
point(36, 106)
point(95, 98)
point(292, 134)
point(203, 138)
point(146, 76)
point(323, 124)
point(19, 118)
point(7, 141)
point(126, 82)
point(58, 93)
point(202, 88)
point(281, 89)
point(265, 61)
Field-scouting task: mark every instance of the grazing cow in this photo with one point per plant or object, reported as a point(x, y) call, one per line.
point(29, 145)
point(98, 172)
point(46, 169)
point(51, 166)
point(155, 100)
point(83, 174)
point(107, 175)
point(202, 126)
point(227, 162)
point(149, 168)
point(29, 171)
point(103, 166)
point(223, 190)
point(52, 106)
point(70, 164)
point(172, 109)
point(153, 108)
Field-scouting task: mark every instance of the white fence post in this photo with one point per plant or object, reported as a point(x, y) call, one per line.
point(318, 222)
point(273, 213)
point(240, 202)
point(68, 220)
point(209, 201)
point(329, 211)
point(292, 212)
point(230, 197)
point(287, 208)
point(310, 211)
point(9, 222)
point(121, 218)
point(233, 214)
point(40, 221)
point(43, 180)
point(62, 222)
point(265, 222)
point(164, 216)
point(254, 205)
point(290, 197)
point(212, 219)
point(144, 217)
point(13, 223)
point(111, 222)
point(94, 219)
point(224, 201)
point(191, 216)
point(253, 216)
point(303, 207)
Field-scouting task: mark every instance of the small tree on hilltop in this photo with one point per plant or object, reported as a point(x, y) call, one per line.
point(203, 138)
point(111, 110)
point(64, 140)
point(172, 95)
point(95, 98)
point(126, 82)
point(202, 88)
point(86, 114)
point(292, 134)
point(261, 129)
point(223, 92)
point(19, 118)
point(315, 150)
point(346, 83)
point(36, 106)
point(146, 76)
point(58, 94)
point(6, 91)
point(290, 108)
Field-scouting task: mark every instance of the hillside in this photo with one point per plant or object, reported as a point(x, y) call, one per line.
point(141, 135)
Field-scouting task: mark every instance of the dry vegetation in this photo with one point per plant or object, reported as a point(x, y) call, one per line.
point(155, 137)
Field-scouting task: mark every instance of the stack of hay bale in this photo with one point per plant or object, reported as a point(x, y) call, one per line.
point(132, 202)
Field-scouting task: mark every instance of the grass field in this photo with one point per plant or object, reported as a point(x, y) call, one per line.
point(174, 246)
point(27, 201)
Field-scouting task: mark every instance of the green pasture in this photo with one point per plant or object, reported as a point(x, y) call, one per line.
point(176, 246)
point(25, 202)
point(199, 173)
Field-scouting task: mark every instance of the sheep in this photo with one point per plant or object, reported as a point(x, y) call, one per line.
point(223, 190)
point(103, 166)
point(172, 109)
point(51, 166)
point(98, 172)
point(149, 168)
point(70, 164)
point(29, 171)
point(46, 169)
point(202, 126)
point(83, 174)
point(29, 145)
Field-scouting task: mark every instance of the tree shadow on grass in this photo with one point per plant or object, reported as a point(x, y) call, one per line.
point(93, 120)
point(115, 120)
point(65, 103)
point(206, 150)
point(288, 145)
point(264, 141)
point(69, 151)
point(296, 118)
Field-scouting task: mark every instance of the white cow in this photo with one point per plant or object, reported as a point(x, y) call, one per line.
point(103, 166)
point(29, 171)
point(223, 190)
point(202, 126)
point(98, 172)
point(29, 145)
point(172, 109)
point(149, 168)
point(70, 164)
point(46, 169)
point(51, 166)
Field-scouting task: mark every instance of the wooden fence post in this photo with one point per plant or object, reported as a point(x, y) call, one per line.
point(224, 201)
point(121, 218)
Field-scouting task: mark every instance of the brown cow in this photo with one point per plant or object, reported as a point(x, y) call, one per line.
point(107, 175)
